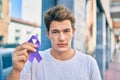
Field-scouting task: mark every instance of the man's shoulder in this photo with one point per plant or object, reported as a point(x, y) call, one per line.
point(84, 55)
point(81, 53)
point(45, 52)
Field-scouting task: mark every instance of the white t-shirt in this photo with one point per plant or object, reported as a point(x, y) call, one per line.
point(79, 67)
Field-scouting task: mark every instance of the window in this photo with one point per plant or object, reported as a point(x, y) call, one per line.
point(37, 35)
point(28, 32)
point(1, 39)
point(17, 35)
point(17, 31)
point(17, 38)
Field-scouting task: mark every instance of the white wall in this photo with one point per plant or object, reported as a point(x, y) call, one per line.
point(23, 32)
point(31, 10)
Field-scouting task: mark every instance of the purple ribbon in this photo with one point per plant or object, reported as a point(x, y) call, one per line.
point(36, 54)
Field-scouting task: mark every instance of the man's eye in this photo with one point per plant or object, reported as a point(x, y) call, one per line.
point(54, 32)
point(67, 31)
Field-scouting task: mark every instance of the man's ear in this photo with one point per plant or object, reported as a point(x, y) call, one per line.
point(74, 31)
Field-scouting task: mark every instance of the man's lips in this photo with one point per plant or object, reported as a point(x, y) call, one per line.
point(62, 45)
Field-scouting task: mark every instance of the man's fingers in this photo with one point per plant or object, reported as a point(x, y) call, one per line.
point(28, 46)
point(23, 52)
point(22, 58)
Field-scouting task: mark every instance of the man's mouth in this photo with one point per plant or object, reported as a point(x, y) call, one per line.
point(62, 45)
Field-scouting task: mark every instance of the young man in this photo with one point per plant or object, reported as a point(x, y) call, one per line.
point(60, 62)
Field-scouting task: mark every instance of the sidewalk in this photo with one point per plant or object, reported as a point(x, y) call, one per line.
point(113, 73)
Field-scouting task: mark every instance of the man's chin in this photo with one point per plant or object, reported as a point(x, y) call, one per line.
point(62, 50)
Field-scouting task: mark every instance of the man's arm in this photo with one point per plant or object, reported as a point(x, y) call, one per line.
point(15, 75)
point(20, 57)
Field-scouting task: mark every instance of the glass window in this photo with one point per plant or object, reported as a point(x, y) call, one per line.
point(17, 31)
point(28, 32)
point(1, 38)
point(17, 38)
point(37, 35)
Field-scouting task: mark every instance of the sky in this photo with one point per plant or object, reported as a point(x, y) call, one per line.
point(15, 8)
point(28, 10)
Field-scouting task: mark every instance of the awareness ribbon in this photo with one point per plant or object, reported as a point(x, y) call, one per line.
point(36, 54)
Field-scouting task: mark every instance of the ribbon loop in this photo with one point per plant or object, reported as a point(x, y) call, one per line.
point(36, 54)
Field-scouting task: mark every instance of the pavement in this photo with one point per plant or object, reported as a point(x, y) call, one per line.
point(113, 73)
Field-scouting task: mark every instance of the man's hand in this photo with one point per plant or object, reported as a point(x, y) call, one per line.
point(20, 56)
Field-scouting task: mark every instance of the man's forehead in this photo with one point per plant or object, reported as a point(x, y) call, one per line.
point(60, 25)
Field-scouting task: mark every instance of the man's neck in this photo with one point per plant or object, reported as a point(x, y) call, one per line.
point(63, 55)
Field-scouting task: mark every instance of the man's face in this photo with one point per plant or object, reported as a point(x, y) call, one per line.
point(61, 34)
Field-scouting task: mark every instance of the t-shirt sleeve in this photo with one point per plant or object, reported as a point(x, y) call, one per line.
point(94, 70)
point(26, 72)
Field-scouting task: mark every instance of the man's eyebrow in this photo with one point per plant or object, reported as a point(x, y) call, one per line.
point(54, 30)
point(58, 30)
point(67, 29)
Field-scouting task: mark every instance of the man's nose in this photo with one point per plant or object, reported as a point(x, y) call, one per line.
point(61, 37)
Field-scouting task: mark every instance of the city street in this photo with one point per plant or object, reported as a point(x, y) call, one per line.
point(113, 73)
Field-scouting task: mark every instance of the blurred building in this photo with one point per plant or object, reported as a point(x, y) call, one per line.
point(115, 14)
point(15, 30)
point(20, 31)
point(4, 20)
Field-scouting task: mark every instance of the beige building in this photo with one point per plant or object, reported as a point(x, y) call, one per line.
point(91, 26)
point(4, 20)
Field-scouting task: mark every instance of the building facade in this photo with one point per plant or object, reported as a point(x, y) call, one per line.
point(4, 20)
point(13, 29)
point(20, 31)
